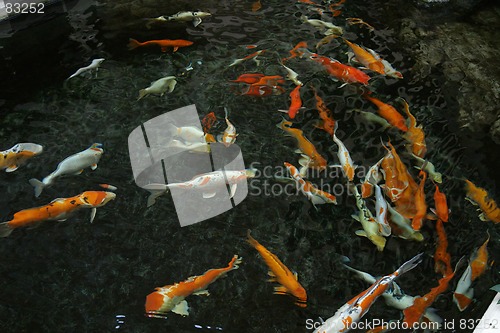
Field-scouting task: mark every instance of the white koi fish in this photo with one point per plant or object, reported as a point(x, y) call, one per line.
point(194, 17)
point(345, 158)
point(11, 159)
point(405, 230)
point(252, 56)
point(159, 87)
point(315, 195)
point(189, 134)
point(72, 165)
point(292, 76)
point(207, 183)
point(381, 212)
point(195, 147)
point(373, 118)
point(365, 217)
point(430, 168)
point(93, 65)
point(328, 28)
point(359, 305)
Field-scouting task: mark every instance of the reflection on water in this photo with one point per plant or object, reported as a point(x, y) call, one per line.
point(72, 275)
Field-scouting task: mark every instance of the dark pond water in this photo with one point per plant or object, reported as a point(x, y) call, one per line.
point(74, 276)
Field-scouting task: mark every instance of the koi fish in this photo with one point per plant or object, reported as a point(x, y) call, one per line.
point(373, 177)
point(415, 135)
point(229, 135)
point(366, 58)
point(164, 44)
point(208, 183)
point(71, 165)
point(189, 134)
point(441, 210)
point(344, 73)
point(327, 27)
point(159, 87)
point(263, 90)
point(420, 204)
point(173, 297)
point(194, 147)
point(57, 210)
point(11, 159)
point(310, 156)
point(401, 226)
point(251, 56)
point(356, 20)
point(346, 162)
point(478, 196)
point(395, 174)
point(93, 65)
point(315, 195)
point(327, 123)
point(373, 118)
point(442, 259)
point(368, 222)
point(381, 212)
point(256, 6)
point(248, 78)
point(278, 272)
point(478, 264)
point(208, 121)
point(292, 76)
point(389, 113)
point(270, 80)
point(108, 187)
point(359, 305)
point(296, 103)
point(296, 51)
point(430, 168)
point(194, 17)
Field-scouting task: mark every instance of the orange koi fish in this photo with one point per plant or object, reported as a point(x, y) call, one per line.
point(344, 73)
point(256, 6)
point(311, 157)
point(248, 78)
point(366, 58)
point(478, 264)
point(13, 158)
point(395, 174)
point(336, 12)
point(441, 210)
point(315, 195)
point(164, 44)
point(357, 307)
point(289, 283)
point(356, 20)
point(296, 103)
point(208, 121)
point(415, 134)
point(389, 113)
point(296, 52)
point(172, 297)
point(327, 123)
point(270, 80)
point(442, 259)
point(57, 210)
point(250, 56)
point(420, 204)
point(479, 196)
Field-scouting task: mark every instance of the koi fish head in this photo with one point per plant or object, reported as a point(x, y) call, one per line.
point(97, 198)
point(301, 295)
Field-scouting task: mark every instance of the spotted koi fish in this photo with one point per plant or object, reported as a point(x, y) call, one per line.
point(359, 305)
point(479, 196)
point(13, 158)
point(172, 297)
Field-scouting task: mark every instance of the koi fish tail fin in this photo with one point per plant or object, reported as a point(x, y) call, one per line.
point(252, 241)
point(410, 264)
point(5, 229)
point(156, 190)
point(38, 185)
point(234, 263)
point(133, 44)
point(153, 196)
point(142, 93)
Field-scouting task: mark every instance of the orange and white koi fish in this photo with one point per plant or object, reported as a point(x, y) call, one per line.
point(366, 58)
point(370, 226)
point(289, 283)
point(11, 159)
point(173, 297)
point(373, 177)
point(229, 135)
point(296, 103)
point(72, 165)
point(420, 204)
point(108, 187)
point(479, 196)
point(478, 264)
point(327, 123)
point(315, 195)
point(57, 210)
point(159, 87)
point(381, 212)
point(248, 57)
point(430, 168)
point(263, 90)
point(356, 20)
point(346, 162)
point(441, 210)
point(358, 306)
point(395, 174)
point(344, 73)
point(208, 183)
point(164, 44)
point(310, 156)
point(389, 113)
point(296, 51)
point(415, 135)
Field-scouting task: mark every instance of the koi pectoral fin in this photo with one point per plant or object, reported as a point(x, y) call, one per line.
point(93, 166)
point(181, 309)
point(93, 212)
point(280, 290)
point(12, 168)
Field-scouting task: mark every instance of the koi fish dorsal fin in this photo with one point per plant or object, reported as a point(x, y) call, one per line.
point(203, 292)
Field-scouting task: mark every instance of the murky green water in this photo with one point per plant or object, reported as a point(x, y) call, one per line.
point(74, 276)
